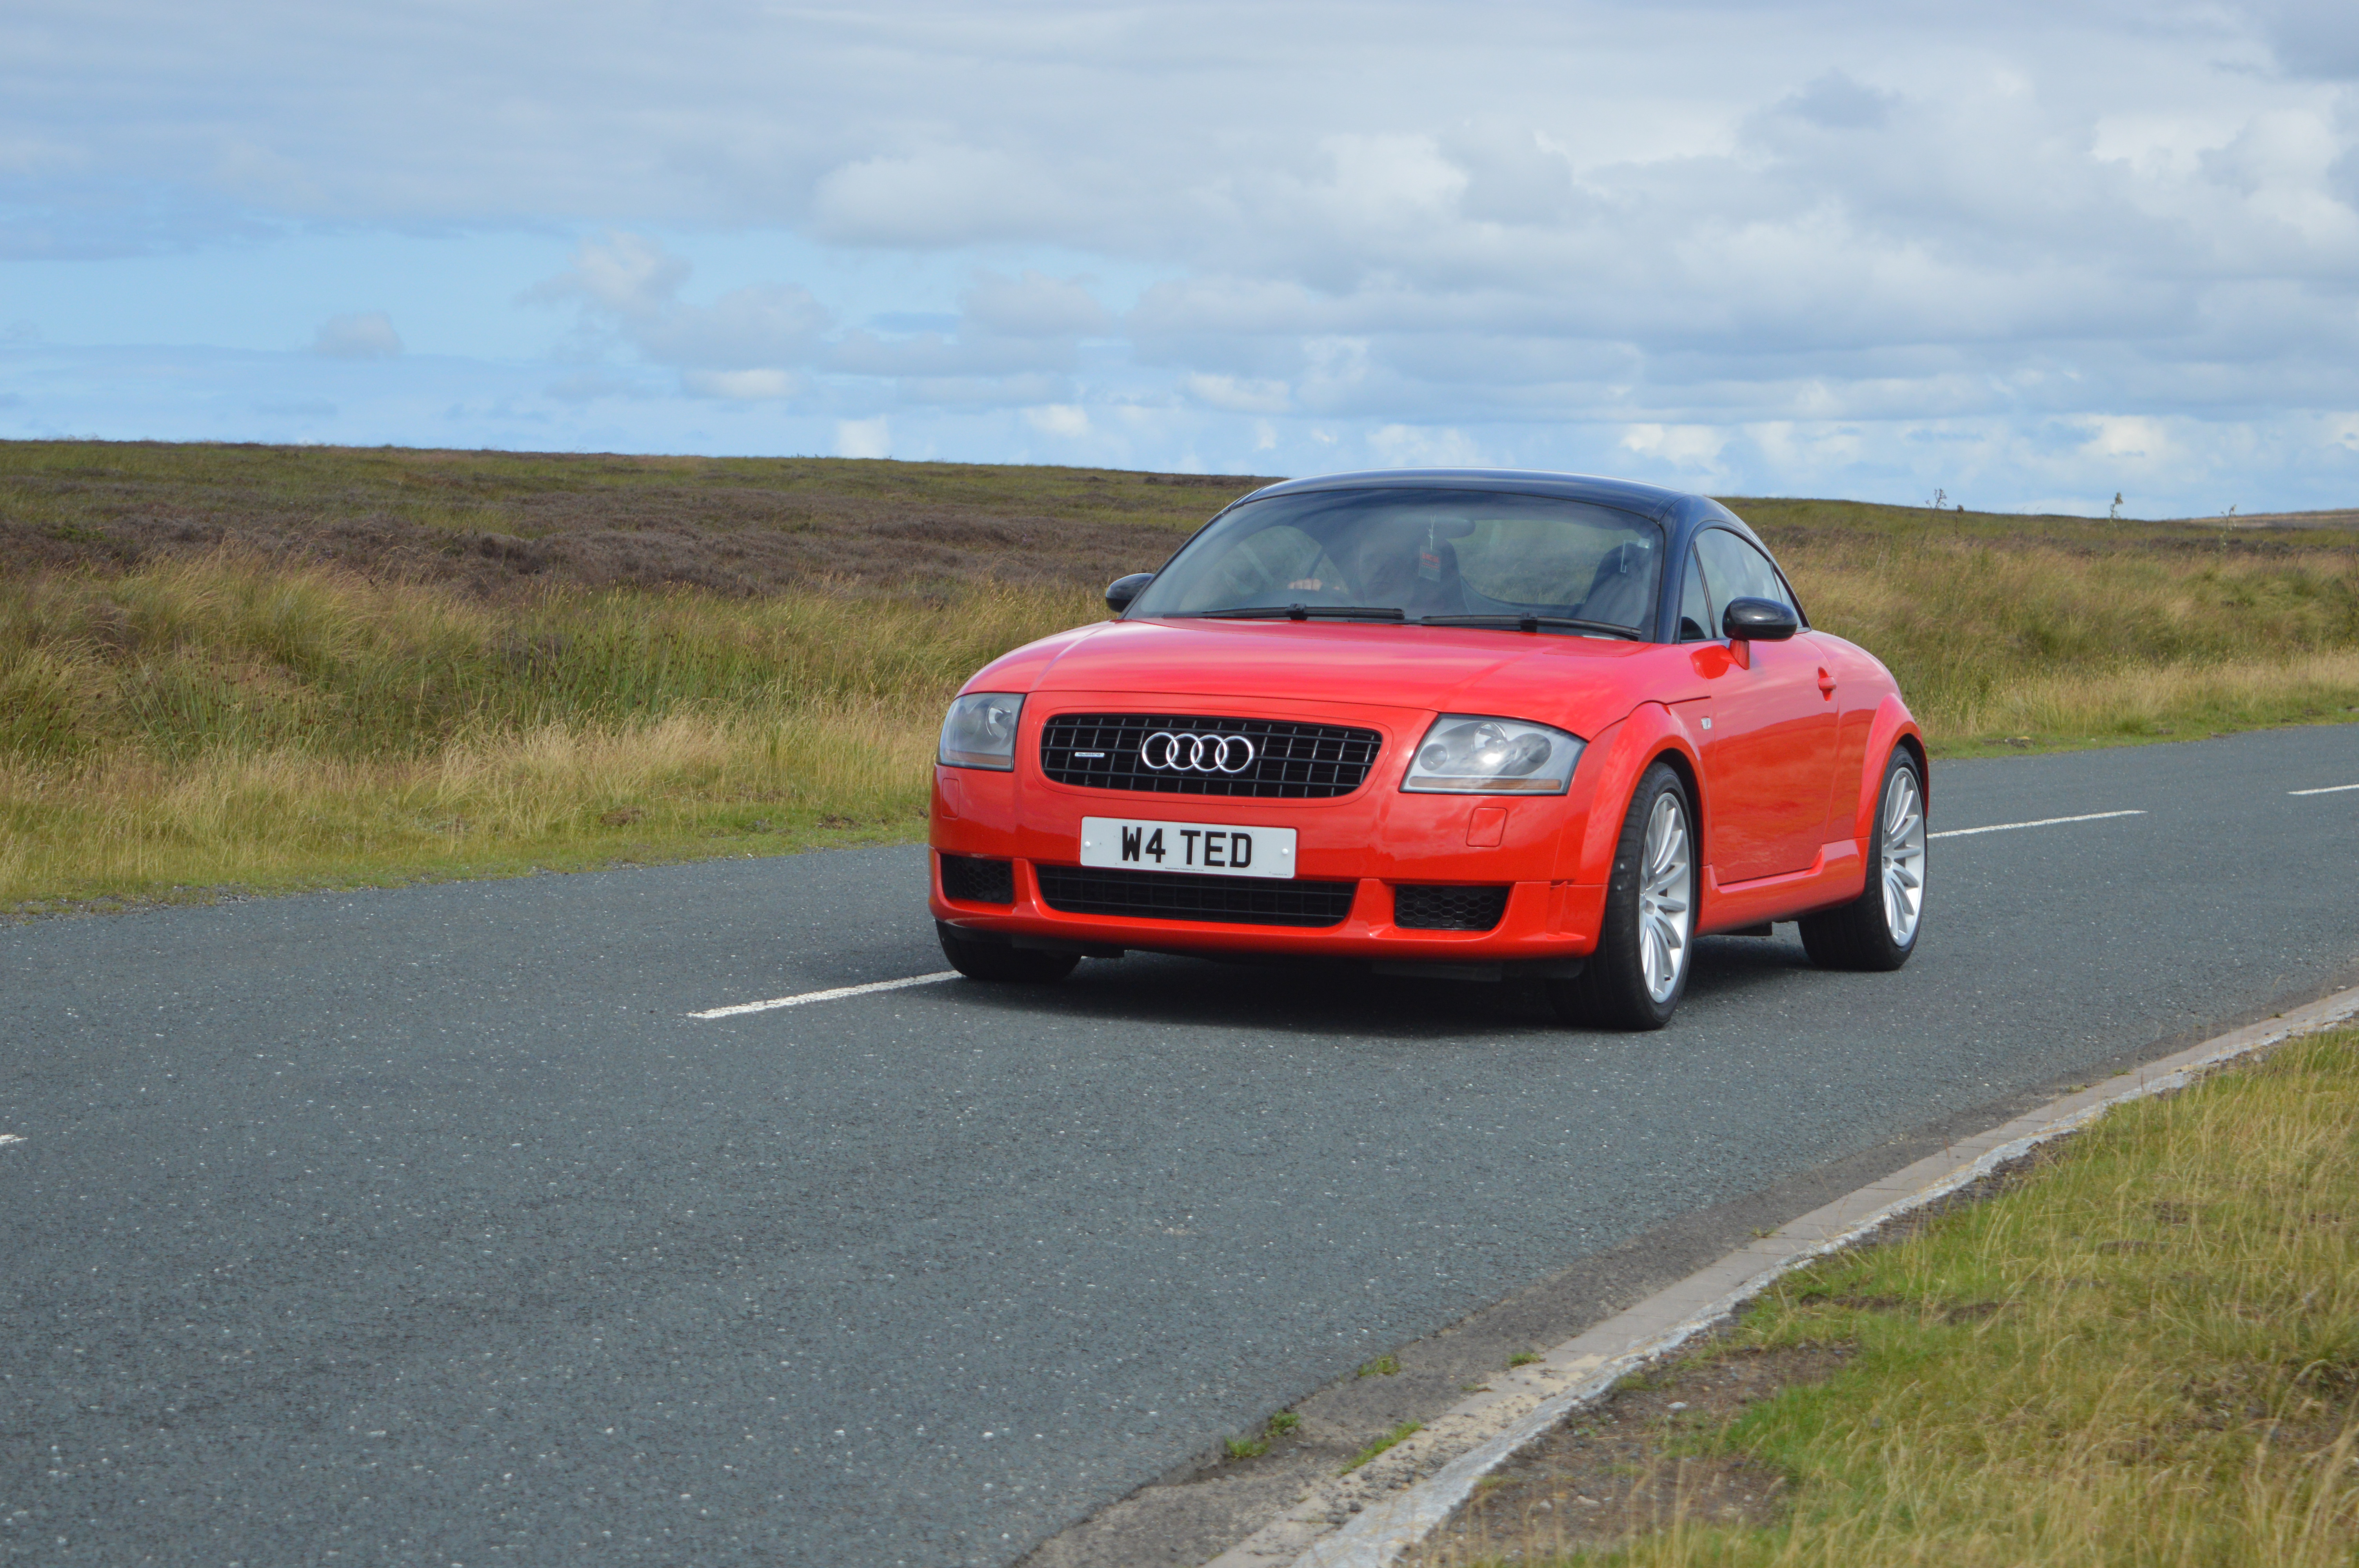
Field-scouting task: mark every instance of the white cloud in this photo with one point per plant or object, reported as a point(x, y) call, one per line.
point(626, 273)
point(1064, 420)
point(2127, 436)
point(1238, 394)
point(365, 335)
point(943, 196)
point(1405, 445)
point(1691, 448)
point(863, 438)
point(633, 284)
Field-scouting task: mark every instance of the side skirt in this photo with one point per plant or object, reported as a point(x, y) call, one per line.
point(1837, 876)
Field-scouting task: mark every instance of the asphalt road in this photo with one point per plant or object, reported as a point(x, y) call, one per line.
point(424, 1226)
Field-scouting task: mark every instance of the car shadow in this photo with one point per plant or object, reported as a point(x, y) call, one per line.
point(1312, 997)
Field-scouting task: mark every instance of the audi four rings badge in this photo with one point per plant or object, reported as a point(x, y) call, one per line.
point(1185, 752)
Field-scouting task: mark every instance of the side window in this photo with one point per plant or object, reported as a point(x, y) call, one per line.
point(1734, 569)
point(1696, 624)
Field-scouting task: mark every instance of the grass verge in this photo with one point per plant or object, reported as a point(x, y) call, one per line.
point(2145, 1351)
point(2012, 635)
point(228, 720)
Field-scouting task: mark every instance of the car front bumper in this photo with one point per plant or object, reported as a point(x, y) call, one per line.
point(1375, 839)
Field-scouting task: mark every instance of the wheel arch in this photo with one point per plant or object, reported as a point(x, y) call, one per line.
point(1914, 744)
point(1894, 728)
point(1692, 778)
point(1652, 733)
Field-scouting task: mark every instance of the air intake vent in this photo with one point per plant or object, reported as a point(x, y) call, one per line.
point(1420, 907)
point(1171, 895)
point(1267, 758)
point(969, 878)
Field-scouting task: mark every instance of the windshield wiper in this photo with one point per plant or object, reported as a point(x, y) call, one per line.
point(1532, 623)
point(1304, 612)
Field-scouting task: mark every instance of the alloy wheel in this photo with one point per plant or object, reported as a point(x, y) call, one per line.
point(1666, 898)
point(1904, 857)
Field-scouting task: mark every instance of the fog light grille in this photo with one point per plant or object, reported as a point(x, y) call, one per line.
point(1424, 907)
point(969, 878)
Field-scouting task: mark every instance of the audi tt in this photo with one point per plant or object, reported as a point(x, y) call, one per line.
point(1469, 724)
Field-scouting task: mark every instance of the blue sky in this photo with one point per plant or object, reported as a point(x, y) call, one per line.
point(2027, 256)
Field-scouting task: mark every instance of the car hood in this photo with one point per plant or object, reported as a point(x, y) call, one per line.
point(1546, 678)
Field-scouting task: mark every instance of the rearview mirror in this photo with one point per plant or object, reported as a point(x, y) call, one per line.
point(1758, 621)
point(1123, 589)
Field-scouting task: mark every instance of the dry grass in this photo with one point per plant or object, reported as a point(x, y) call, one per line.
point(2145, 1352)
point(2133, 701)
point(287, 667)
point(2069, 636)
point(226, 720)
point(128, 823)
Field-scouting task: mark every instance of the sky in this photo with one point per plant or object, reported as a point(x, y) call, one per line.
point(2019, 256)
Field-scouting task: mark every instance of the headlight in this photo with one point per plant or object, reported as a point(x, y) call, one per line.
point(1465, 753)
point(979, 731)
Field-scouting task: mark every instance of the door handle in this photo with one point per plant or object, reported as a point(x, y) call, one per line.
point(1826, 684)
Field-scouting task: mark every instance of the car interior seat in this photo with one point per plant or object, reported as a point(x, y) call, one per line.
point(1619, 591)
point(1443, 593)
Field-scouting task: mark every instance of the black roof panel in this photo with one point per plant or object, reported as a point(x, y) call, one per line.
point(1652, 501)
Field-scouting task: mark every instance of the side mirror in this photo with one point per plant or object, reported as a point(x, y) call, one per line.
point(1758, 621)
point(1123, 589)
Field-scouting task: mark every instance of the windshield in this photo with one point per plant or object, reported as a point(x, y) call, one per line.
point(1424, 553)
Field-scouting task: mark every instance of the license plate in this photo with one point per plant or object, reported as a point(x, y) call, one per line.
point(1213, 848)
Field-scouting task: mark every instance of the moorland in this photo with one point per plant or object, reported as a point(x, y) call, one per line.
point(264, 667)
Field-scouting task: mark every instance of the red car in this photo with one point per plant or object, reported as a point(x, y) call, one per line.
point(1468, 724)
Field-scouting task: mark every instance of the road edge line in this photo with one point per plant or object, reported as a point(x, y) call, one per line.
point(1406, 1494)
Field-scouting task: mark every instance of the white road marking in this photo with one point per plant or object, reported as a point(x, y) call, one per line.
point(838, 994)
point(2043, 822)
point(2330, 789)
point(8, 1138)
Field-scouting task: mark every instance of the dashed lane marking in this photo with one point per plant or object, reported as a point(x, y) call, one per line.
point(2043, 822)
point(838, 994)
point(2330, 789)
point(8, 1138)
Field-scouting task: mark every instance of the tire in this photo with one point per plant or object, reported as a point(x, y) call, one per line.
point(1639, 972)
point(1878, 930)
point(979, 959)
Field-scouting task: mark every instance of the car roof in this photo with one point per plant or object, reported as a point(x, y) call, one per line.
point(1648, 500)
point(1681, 514)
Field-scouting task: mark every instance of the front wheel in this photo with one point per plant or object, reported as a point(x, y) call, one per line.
point(981, 960)
point(1639, 971)
point(1878, 929)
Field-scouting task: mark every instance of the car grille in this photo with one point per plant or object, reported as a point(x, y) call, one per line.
point(1290, 762)
point(970, 879)
point(1428, 908)
point(1174, 895)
